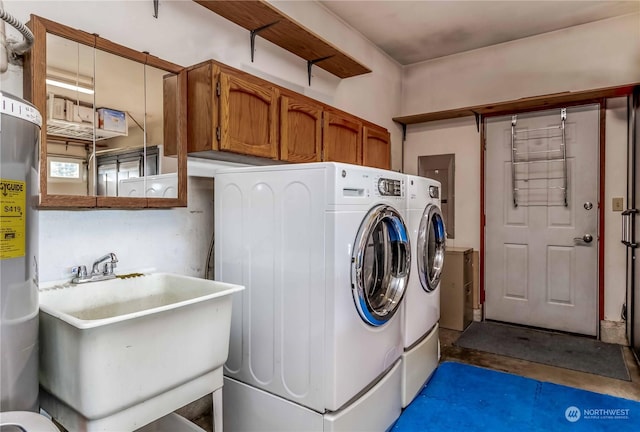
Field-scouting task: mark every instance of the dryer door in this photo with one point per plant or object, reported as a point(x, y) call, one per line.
point(430, 248)
point(380, 265)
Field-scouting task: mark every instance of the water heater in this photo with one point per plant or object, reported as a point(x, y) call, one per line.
point(20, 126)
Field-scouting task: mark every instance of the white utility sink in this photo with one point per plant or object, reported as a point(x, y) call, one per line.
point(118, 354)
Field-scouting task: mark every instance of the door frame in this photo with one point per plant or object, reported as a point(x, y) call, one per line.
point(602, 103)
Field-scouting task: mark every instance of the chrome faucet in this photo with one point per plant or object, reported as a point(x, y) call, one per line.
point(108, 265)
point(80, 272)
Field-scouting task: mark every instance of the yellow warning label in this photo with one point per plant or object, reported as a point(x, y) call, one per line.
point(13, 199)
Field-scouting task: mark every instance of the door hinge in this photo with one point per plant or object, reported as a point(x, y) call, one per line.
point(218, 133)
point(218, 90)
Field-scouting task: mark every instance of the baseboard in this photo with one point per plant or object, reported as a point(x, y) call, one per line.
point(477, 314)
point(614, 332)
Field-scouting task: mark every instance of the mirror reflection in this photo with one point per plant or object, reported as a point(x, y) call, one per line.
point(70, 93)
point(105, 124)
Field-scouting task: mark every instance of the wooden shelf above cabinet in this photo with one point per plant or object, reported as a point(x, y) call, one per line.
point(283, 31)
point(520, 105)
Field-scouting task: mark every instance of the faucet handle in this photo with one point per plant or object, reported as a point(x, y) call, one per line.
point(79, 271)
point(108, 267)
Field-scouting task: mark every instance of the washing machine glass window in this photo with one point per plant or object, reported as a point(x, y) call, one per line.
point(380, 265)
point(430, 248)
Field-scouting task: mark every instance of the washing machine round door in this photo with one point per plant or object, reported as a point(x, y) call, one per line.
point(430, 248)
point(380, 265)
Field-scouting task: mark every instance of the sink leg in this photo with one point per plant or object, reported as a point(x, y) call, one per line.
point(217, 410)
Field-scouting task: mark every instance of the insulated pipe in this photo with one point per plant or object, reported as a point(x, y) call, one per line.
point(17, 48)
point(3, 45)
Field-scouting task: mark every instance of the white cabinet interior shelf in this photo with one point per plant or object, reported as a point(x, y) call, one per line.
point(82, 131)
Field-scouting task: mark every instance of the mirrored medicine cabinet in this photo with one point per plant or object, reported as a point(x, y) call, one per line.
point(114, 121)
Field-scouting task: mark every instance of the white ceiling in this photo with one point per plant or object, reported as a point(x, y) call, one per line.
point(415, 31)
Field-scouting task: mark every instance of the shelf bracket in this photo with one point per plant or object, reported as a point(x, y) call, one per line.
point(255, 32)
point(155, 9)
point(312, 62)
point(478, 117)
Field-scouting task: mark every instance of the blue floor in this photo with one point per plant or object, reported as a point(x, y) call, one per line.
point(461, 397)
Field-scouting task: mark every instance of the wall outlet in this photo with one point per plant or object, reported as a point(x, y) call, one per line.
point(617, 204)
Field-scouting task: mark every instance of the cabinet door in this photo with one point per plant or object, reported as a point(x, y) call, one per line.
point(171, 116)
point(376, 147)
point(300, 130)
point(247, 117)
point(342, 138)
point(202, 108)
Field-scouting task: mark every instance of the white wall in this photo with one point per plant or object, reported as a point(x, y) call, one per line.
point(615, 186)
point(175, 240)
point(186, 33)
point(600, 54)
point(357, 95)
point(458, 136)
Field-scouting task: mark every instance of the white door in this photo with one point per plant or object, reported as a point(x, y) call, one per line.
point(541, 268)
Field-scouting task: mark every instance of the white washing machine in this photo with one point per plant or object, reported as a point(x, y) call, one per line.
point(157, 186)
point(323, 252)
point(420, 310)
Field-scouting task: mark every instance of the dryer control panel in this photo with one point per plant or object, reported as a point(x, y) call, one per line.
point(390, 187)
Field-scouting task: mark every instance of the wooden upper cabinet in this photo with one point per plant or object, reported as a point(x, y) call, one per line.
point(376, 147)
point(230, 110)
point(300, 130)
point(342, 138)
point(202, 107)
point(248, 117)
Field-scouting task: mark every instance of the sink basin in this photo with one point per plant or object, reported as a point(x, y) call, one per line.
point(118, 354)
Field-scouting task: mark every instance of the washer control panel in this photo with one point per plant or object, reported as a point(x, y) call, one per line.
point(390, 187)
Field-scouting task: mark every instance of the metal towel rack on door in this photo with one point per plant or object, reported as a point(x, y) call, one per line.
point(628, 236)
point(558, 155)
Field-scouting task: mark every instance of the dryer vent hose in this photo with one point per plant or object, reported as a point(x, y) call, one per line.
point(3, 51)
point(17, 48)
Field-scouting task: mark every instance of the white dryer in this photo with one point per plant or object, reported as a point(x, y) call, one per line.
point(323, 252)
point(420, 311)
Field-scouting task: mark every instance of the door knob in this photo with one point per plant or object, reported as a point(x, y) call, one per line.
point(587, 238)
